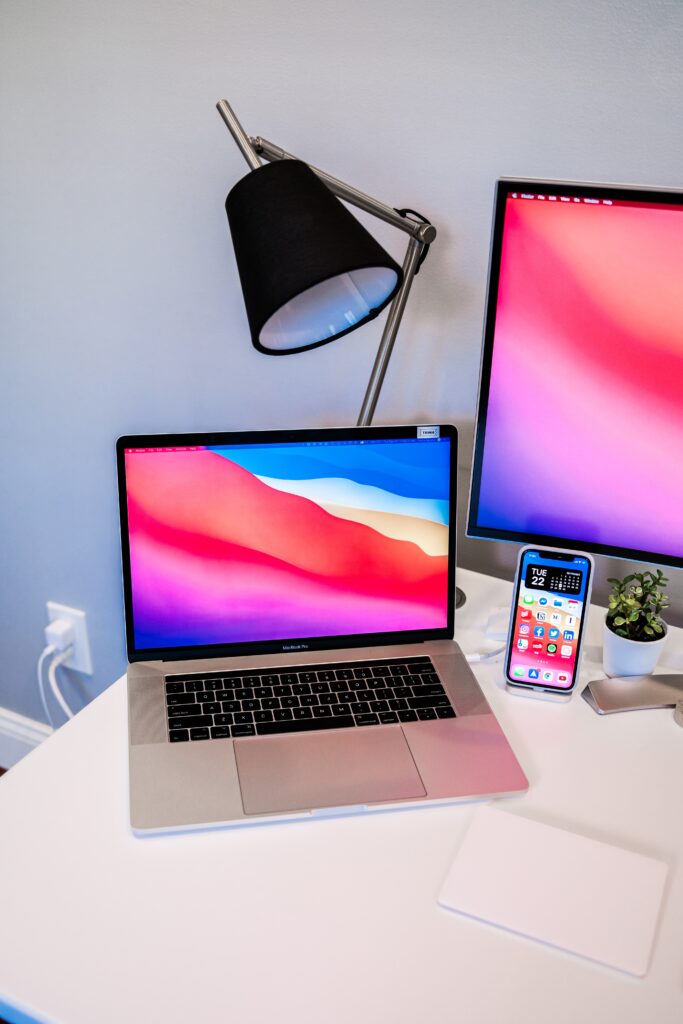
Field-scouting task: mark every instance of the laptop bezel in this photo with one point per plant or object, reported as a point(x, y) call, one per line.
point(290, 644)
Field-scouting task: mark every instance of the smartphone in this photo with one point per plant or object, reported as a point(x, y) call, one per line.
point(549, 609)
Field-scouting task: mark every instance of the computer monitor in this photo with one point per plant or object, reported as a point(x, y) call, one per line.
point(579, 439)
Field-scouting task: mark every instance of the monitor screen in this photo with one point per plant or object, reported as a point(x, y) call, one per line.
point(236, 540)
point(580, 421)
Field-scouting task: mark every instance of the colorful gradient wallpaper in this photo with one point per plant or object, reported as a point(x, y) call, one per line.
point(277, 542)
point(584, 428)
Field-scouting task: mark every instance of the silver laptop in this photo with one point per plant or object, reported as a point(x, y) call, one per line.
point(289, 601)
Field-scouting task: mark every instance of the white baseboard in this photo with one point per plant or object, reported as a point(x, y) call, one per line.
point(18, 736)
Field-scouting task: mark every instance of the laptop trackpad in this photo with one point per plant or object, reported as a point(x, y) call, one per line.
point(303, 771)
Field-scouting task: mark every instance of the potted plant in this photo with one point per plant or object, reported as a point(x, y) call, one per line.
point(634, 633)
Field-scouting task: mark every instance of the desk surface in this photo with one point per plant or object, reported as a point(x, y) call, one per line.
point(334, 920)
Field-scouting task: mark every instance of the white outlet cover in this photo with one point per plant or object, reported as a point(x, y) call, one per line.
point(80, 661)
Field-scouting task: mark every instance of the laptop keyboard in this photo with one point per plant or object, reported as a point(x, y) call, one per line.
point(230, 705)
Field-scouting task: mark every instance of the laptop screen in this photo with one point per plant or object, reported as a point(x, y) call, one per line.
point(286, 540)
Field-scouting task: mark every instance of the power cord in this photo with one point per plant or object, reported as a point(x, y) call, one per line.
point(484, 656)
point(59, 639)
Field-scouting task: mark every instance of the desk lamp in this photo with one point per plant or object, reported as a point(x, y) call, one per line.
point(310, 272)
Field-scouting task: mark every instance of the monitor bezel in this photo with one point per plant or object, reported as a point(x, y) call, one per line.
point(290, 644)
point(628, 193)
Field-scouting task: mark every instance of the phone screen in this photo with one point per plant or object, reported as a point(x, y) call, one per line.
point(550, 607)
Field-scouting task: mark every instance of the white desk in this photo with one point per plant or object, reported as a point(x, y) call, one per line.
point(329, 921)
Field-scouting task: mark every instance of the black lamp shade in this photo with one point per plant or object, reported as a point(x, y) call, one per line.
point(309, 271)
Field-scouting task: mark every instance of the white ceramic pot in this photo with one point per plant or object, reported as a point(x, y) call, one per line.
point(622, 657)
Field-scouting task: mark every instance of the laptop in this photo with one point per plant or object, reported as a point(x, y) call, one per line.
point(289, 603)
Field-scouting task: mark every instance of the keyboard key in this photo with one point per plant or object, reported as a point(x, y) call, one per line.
point(272, 728)
point(251, 705)
point(288, 679)
point(403, 691)
point(341, 709)
point(362, 673)
point(185, 710)
point(178, 735)
point(429, 690)
point(384, 693)
point(400, 670)
point(365, 694)
point(285, 715)
point(445, 712)
point(308, 700)
point(202, 697)
point(407, 716)
point(246, 693)
point(263, 716)
point(199, 734)
point(192, 721)
point(361, 707)
point(308, 677)
point(322, 711)
point(339, 686)
point(328, 698)
point(175, 687)
point(282, 691)
point(344, 673)
point(320, 687)
point(301, 688)
point(379, 705)
point(289, 702)
point(194, 685)
point(387, 717)
point(427, 702)
point(250, 681)
point(302, 713)
point(242, 730)
point(213, 684)
point(231, 706)
point(398, 704)
point(220, 732)
point(326, 676)
point(243, 718)
point(263, 691)
point(270, 703)
point(426, 714)
point(212, 708)
point(176, 699)
point(382, 670)
point(367, 720)
point(223, 719)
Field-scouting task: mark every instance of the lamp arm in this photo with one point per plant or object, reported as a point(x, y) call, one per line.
point(393, 322)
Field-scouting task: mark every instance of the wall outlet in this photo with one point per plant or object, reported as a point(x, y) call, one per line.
point(80, 660)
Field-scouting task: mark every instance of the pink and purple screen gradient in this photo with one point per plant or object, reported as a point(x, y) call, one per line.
point(278, 542)
point(584, 427)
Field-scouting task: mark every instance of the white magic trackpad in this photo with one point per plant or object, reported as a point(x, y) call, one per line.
point(303, 771)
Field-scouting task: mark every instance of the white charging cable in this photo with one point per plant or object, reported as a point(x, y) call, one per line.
point(484, 655)
point(59, 639)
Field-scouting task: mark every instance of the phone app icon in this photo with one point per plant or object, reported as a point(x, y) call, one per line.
point(525, 613)
point(553, 633)
point(539, 630)
point(528, 599)
point(518, 671)
point(524, 628)
point(572, 606)
point(543, 600)
point(562, 678)
point(541, 616)
point(566, 650)
point(551, 648)
point(533, 673)
point(568, 634)
point(570, 621)
point(556, 618)
point(548, 677)
point(538, 646)
point(558, 602)
point(522, 643)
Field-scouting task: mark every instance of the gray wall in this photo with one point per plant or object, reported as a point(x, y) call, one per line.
point(121, 309)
